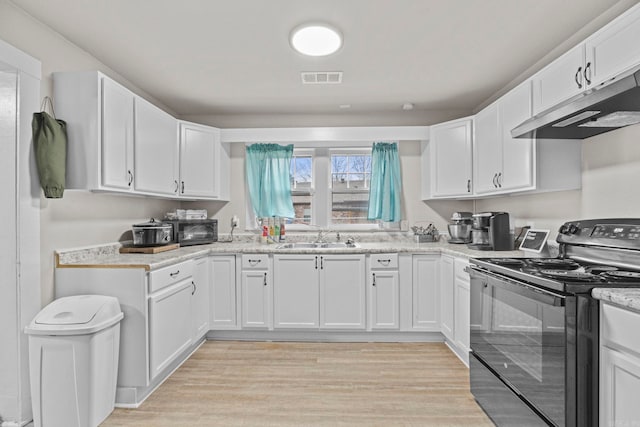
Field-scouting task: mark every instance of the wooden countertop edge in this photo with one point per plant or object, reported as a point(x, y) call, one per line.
point(58, 265)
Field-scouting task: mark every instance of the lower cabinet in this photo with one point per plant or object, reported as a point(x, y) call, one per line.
point(256, 292)
point(222, 298)
point(447, 288)
point(325, 291)
point(200, 298)
point(462, 302)
point(426, 301)
point(170, 326)
point(619, 366)
point(383, 282)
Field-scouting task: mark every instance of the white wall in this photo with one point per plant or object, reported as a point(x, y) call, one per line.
point(79, 218)
point(610, 186)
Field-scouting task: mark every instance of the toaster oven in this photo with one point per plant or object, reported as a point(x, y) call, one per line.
point(189, 232)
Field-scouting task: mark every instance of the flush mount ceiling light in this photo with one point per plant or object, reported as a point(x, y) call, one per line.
point(315, 39)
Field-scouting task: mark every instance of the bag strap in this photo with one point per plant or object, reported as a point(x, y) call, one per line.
point(46, 101)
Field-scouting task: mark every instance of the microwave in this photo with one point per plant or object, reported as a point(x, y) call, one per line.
point(189, 232)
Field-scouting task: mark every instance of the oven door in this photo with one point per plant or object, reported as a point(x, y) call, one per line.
point(518, 332)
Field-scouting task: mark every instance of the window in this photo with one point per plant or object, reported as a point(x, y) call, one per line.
point(350, 179)
point(301, 186)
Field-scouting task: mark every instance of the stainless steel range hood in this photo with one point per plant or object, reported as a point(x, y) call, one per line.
point(605, 108)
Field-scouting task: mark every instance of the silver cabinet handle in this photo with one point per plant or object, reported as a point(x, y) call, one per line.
point(130, 178)
point(384, 262)
point(254, 262)
point(468, 186)
point(265, 279)
point(499, 180)
point(374, 279)
point(174, 274)
point(587, 70)
point(578, 77)
point(194, 287)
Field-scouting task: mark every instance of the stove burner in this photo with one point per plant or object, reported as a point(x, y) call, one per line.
point(622, 275)
point(507, 261)
point(570, 275)
point(555, 263)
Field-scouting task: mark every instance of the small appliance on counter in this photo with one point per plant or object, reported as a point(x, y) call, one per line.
point(490, 232)
point(152, 233)
point(189, 232)
point(460, 227)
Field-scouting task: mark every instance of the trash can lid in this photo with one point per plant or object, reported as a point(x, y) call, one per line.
point(76, 315)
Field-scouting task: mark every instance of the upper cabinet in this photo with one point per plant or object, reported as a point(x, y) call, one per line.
point(603, 56)
point(502, 163)
point(119, 142)
point(446, 160)
point(204, 162)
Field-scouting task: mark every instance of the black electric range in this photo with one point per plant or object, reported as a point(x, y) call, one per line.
point(535, 327)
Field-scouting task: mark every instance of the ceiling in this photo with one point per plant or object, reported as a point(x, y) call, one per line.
point(203, 57)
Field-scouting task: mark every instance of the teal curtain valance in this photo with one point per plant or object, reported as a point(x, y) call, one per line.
point(386, 183)
point(268, 169)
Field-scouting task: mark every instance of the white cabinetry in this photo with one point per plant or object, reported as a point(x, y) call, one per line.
point(256, 291)
point(619, 366)
point(426, 301)
point(342, 292)
point(325, 291)
point(447, 308)
point(156, 150)
point(200, 298)
point(223, 292)
point(296, 298)
point(601, 57)
point(384, 303)
point(446, 160)
point(204, 162)
point(462, 299)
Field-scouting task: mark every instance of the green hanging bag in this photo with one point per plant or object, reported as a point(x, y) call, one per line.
point(50, 141)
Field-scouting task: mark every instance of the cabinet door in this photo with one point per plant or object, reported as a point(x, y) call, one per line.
point(256, 299)
point(462, 316)
point(560, 80)
point(200, 298)
point(342, 292)
point(169, 325)
point(487, 150)
point(295, 291)
point(614, 49)
point(518, 163)
point(156, 150)
point(426, 301)
point(223, 292)
point(199, 158)
point(117, 136)
point(446, 296)
point(619, 385)
point(383, 301)
point(450, 164)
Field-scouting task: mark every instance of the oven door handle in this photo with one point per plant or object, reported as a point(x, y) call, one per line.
point(518, 287)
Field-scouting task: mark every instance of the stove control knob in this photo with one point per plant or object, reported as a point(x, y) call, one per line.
point(573, 229)
point(563, 229)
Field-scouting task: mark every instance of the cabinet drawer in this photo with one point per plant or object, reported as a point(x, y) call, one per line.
point(169, 275)
point(620, 327)
point(459, 264)
point(384, 261)
point(255, 262)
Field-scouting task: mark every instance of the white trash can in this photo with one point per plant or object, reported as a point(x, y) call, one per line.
point(73, 361)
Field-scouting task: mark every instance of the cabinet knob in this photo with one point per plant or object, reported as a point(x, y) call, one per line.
point(578, 77)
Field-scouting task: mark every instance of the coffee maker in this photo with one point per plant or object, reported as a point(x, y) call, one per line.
point(490, 232)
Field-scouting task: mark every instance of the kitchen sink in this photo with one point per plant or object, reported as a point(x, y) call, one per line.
point(317, 245)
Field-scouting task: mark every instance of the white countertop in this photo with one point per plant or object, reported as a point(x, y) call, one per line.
point(107, 256)
point(624, 297)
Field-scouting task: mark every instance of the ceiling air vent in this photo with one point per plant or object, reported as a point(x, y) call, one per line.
point(321, 77)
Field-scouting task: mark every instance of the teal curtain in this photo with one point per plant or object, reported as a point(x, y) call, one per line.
point(268, 168)
point(386, 183)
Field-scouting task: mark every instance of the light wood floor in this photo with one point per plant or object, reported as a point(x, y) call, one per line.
point(309, 384)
